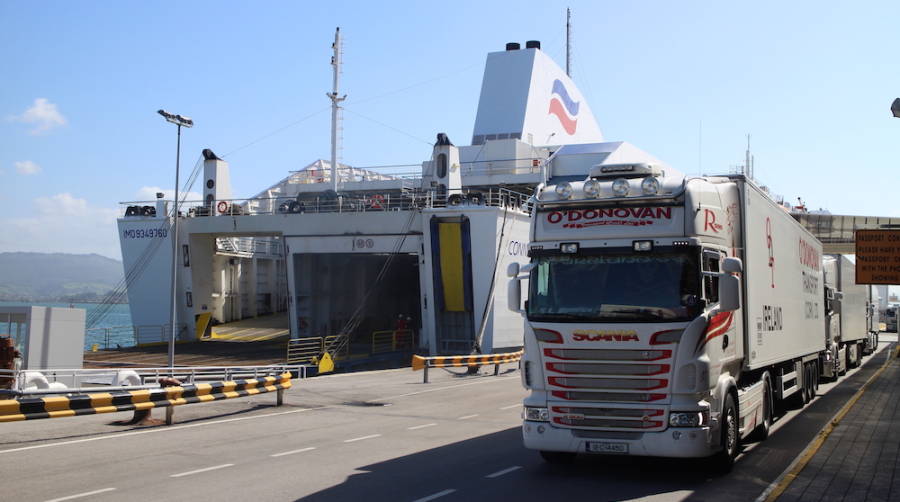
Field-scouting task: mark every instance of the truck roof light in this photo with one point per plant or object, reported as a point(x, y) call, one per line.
point(592, 188)
point(568, 247)
point(620, 187)
point(650, 186)
point(642, 245)
point(564, 190)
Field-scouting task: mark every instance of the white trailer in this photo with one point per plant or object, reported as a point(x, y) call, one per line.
point(666, 316)
point(850, 316)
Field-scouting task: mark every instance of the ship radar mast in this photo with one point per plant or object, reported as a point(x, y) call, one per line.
point(335, 107)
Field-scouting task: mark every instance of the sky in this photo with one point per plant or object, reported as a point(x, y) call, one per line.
point(686, 81)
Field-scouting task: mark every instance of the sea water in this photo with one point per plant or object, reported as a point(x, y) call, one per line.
point(117, 319)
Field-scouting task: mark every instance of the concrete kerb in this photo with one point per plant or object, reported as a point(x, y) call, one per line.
point(778, 487)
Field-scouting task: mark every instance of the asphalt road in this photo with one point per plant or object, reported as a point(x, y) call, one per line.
point(368, 436)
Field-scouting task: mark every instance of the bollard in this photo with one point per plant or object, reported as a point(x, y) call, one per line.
point(425, 380)
point(279, 397)
point(496, 369)
point(170, 415)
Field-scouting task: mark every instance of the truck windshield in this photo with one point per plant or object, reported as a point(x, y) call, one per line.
point(615, 287)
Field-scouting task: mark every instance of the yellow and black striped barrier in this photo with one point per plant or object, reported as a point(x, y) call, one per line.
point(423, 363)
point(32, 408)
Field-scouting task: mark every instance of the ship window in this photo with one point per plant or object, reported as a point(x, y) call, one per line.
point(710, 264)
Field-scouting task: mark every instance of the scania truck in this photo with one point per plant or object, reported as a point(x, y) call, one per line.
point(850, 314)
point(665, 315)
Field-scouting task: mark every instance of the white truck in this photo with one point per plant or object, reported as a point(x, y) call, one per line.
point(666, 316)
point(850, 316)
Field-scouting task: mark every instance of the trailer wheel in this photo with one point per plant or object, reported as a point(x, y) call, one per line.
point(731, 436)
point(557, 457)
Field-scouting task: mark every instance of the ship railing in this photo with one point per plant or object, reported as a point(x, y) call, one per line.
point(118, 337)
point(392, 340)
point(306, 350)
point(250, 246)
point(76, 381)
point(408, 198)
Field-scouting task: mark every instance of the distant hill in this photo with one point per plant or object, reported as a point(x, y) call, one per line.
point(57, 276)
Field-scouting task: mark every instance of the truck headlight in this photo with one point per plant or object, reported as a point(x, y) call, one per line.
point(688, 418)
point(534, 414)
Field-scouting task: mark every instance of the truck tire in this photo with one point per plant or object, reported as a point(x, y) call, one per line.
point(810, 382)
point(817, 375)
point(763, 428)
point(731, 436)
point(557, 457)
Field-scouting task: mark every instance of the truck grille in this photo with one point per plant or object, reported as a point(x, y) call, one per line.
point(609, 389)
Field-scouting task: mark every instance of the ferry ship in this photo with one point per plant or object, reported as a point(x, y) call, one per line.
point(334, 250)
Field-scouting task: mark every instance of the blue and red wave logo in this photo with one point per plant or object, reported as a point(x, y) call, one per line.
point(563, 107)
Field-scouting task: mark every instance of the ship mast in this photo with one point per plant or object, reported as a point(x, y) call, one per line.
point(569, 42)
point(335, 113)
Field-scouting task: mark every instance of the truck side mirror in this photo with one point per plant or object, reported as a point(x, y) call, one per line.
point(732, 265)
point(729, 292)
point(512, 270)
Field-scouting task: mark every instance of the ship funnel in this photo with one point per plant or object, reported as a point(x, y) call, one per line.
point(217, 183)
point(442, 172)
point(513, 46)
point(533, 44)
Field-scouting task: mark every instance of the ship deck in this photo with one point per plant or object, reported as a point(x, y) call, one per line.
point(190, 354)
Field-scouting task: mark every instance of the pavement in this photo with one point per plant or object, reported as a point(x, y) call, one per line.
point(385, 435)
point(858, 460)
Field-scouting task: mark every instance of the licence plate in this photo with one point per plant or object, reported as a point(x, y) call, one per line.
point(598, 447)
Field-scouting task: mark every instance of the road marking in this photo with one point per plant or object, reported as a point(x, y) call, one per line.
point(360, 439)
point(198, 471)
point(466, 417)
point(236, 419)
point(435, 495)
point(517, 405)
point(420, 427)
point(504, 471)
point(301, 450)
point(79, 495)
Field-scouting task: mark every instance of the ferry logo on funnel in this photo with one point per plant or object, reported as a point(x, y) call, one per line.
point(563, 107)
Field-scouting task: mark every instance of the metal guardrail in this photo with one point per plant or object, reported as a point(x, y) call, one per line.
point(68, 381)
point(172, 394)
point(392, 340)
point(306, 350)
point(420, 362)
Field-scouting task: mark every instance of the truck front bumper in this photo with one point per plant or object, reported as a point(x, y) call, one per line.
point(687, 442)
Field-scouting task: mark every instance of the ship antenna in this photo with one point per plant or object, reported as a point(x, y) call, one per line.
point(335, 108)
point(568, 42)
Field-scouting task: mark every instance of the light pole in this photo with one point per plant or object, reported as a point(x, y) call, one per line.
point(179, 121)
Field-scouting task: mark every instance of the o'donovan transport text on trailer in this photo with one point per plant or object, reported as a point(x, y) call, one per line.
point(666, 316)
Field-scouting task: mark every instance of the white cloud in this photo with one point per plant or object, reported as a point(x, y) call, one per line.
point(27, 167)
point(149, 193)
point(43, 114)
point(63, 223)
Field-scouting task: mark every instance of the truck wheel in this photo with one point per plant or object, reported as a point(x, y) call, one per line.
point(558, 457)
point(731, 438)
point(816, 376)
point(762, 430)
point(810, 382)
